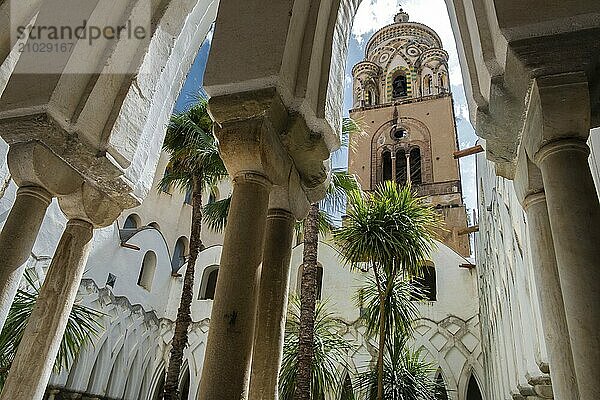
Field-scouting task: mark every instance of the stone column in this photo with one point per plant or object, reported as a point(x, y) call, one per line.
point(40, 175)
point(262, 144)
point(393, 155)
point(226, 371)
point(574, 214)
point(31, 369)
point(562, 371)
point(33, 363)
point(272, 305)
point(17, 239)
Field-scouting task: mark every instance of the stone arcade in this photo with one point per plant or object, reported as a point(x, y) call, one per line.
point(92, 142)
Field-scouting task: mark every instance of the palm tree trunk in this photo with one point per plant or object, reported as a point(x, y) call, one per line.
point(381, 346)
point(383, 296)
point(182, 323)
point(308, 297)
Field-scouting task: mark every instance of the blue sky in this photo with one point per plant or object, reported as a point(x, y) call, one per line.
point(371, 16)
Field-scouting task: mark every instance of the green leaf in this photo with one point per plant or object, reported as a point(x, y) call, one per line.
point(331, 351)
point(405, 375)
point(193, 150)
point(215, 214)
point(83, 324)
point(390, 228)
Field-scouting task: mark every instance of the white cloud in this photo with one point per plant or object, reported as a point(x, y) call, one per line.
point(372, 15)
point(375, 14)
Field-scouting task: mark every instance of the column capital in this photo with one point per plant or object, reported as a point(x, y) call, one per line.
point(33, 164)
point(90, 205)
point(258, 133)
point(558, 108)
point(573, 144)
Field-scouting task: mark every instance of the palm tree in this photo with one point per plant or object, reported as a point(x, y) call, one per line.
point(83, 324)
point(330, 351)
point(400, 308)
point(194, 165)
point(406, 376)
point(392, 231)
point(340, 185)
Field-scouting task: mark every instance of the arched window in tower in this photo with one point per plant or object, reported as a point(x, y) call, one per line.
point(427, 85)
point(441, 82)
point(401, 167)
point(208, 286)
point(386, 166)
point(473, 392)
point(369, 98)
point(146, 275)
point(415, 166)
point(399, 88)
point(440, 387)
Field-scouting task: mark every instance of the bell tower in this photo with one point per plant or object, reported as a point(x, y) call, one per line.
point(402, 100)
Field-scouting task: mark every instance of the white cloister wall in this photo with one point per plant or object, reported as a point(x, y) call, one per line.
point(515, 355)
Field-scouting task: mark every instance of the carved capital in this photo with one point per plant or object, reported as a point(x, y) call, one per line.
point(257, 133)
point(290, 198)
point(247, 126)
point(33, 164)
point(310, 154)
point(558, 108)
point(91, 205)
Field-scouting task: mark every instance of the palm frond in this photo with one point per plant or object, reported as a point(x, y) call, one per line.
point(400, 307)
point(406, 376)
point(193, 150)
point(390, 227)
point(352, 131)
point(340, 185)
point(331, 351)
point(82, 325)
point(215, 214)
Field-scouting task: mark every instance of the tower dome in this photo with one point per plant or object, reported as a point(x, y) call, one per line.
point(403, 60)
